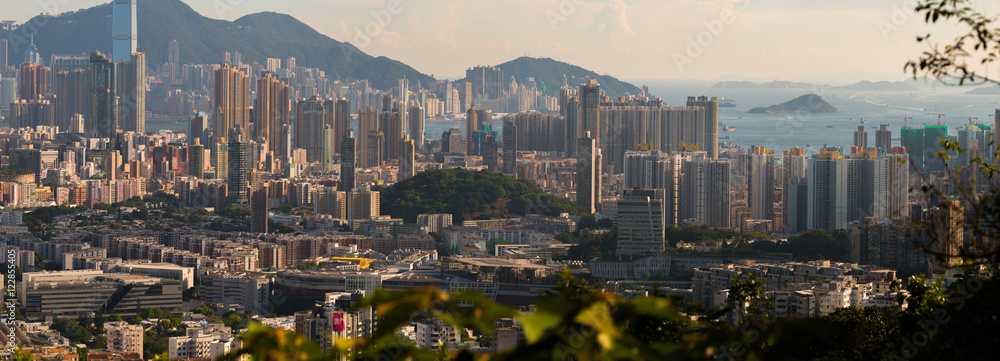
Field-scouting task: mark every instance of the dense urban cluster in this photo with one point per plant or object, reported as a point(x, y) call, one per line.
point(287, 197)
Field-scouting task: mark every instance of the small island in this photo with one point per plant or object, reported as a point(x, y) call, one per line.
point(809, 103)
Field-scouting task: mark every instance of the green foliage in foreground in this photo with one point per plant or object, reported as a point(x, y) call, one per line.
point(581, 322)
point(469, 195)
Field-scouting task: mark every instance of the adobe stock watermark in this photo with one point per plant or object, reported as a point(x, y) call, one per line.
point(374, 28)
point(901, 14)
point(564, 10)
point(696, 45)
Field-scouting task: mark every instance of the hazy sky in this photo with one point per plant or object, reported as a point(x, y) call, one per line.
point(831, 41)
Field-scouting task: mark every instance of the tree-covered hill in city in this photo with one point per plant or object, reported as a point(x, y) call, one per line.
point(469, 195)
point(809, 103)
point(549, 72)
point(203, 40)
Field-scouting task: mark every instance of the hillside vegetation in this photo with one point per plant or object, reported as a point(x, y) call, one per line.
point(469, 195)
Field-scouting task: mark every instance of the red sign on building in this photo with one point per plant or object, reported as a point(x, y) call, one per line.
point(338, 321)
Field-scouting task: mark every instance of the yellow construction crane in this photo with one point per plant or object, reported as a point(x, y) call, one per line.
point(904, 118)
point(939, 115)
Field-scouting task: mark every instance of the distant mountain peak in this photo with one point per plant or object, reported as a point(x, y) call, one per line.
point(203, 40)
point(549, 72)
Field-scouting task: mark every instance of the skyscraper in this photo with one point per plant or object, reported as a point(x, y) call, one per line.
point(309, 118)
point(341, 120)
point(761, 182)
point(231, 103)
point(132, 93)
point(471, 126)
point(913, 139)
point(124, 29)
point(588, 173)
point(31, 55)
point(868, 184)
point(861, 137)
point(239, 168)
point(220, 159)
point(510, 147)
point(375, 149)
point(710, 143)
point(393, 128)
point(102, 118)
point(491, 153)
point(71, 91)
point(329, 151)
point(196, 158)
point(484, 82)
point(348, 162)
point(416, 118)
point(367, 123)
point(452, 141)
point(827, 179)
point(406, 158)
point(640, 222)
point(34, 79)
point(258, 210)
point(932, 136)
point(174, 61)
point(883, 137)
point(272, 110)
point(590, 109)
point(655, 170)
point(794, 199)
point(3, 55)
point(569, 108)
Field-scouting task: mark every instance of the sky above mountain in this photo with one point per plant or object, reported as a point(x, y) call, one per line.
point(832, 41)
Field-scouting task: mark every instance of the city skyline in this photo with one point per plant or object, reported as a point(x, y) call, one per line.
point(843, 42)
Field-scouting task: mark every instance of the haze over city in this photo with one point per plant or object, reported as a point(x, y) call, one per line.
point(830, 41)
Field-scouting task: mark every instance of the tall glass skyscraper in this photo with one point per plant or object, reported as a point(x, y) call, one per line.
point(123, 30)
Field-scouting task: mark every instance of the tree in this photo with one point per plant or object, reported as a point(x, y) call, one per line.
point(968, 56)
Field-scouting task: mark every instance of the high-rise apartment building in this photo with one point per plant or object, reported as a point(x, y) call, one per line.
point(510, 148)
point(231, 103)
point(590, 109)
point(239, 168)
point(196, 158)
point(588, 173)
point(33, 81)
point(828, 184)
point(640, 222)
point(417, 122)
point(310, 116)
point(883, 137)
point(70, 88)
point(406, 169)
point(132, 91)
point(710, 125)
point(348, 162)
point(368, 122)
point(861, 138)
point(102, 119)
point(272, 110)
point(258, 210)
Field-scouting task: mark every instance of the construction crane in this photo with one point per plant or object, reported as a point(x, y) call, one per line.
point(970, 119)
point(904, 118)
point(939, 115)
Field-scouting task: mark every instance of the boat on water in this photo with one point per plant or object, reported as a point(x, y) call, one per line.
point(729, 129)
point(727, 103)
point(829, 126)
point(863, 121)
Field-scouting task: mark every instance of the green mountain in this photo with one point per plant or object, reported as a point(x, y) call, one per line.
point(809, 103)
point(203, 40)
point(550, 73)
point(469, 195)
